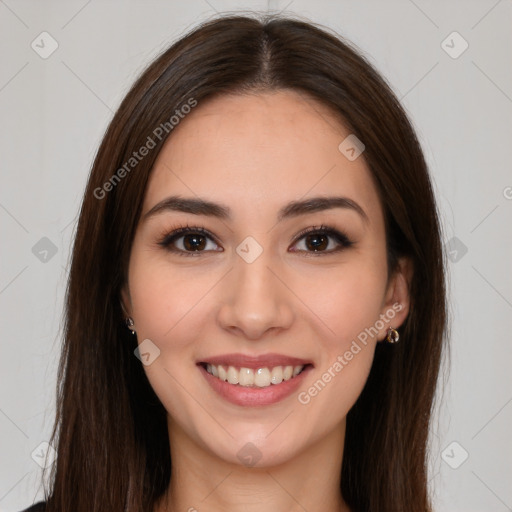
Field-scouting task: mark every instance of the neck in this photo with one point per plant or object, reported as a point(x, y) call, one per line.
point(202, 481)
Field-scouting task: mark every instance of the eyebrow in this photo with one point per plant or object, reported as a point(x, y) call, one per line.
point(198, 206)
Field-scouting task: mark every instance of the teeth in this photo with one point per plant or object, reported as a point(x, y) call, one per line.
point(262, 377)
point(277, 375)
point(213, 370)
point(223, 374)
point(232, 375)
point(247, 377)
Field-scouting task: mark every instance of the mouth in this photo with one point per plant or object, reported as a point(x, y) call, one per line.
point(250, 381)
point(262, 377)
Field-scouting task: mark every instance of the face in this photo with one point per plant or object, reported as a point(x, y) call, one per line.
point(254, 286)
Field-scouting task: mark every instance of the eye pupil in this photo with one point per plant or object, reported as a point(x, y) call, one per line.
point(194, 242)
point(320, 241)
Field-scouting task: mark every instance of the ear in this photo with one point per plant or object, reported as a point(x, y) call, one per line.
point(126, 301)
point(397, 300)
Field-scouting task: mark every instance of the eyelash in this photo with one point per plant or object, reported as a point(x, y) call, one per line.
point(169, 238)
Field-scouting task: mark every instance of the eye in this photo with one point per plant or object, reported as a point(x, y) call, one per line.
point(188, 240)
point(316, 240)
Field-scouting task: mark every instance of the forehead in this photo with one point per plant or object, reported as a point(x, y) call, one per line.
point(256, 152)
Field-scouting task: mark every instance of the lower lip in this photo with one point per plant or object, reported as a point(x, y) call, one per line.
point(253, 396)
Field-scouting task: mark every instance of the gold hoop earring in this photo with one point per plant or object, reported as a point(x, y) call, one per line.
point(393, 335)
point(130, 323)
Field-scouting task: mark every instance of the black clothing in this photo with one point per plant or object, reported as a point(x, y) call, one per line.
point(37, 507)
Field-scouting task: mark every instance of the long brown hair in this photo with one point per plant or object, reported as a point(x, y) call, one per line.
point(110, 429)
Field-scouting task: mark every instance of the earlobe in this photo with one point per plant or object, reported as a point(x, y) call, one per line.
point(397, 304)
point(126, 307)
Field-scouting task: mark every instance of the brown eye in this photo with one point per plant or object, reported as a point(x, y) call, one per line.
point(187, 241)
point(194, 242)
point(319, 239)
point(317, 242)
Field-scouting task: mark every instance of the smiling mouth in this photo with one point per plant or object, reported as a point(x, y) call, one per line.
point(257, 378)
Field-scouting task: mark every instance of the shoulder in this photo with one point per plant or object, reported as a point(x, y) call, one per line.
point(37, 507)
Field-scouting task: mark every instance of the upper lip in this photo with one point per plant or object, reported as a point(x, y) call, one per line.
point(254, 362)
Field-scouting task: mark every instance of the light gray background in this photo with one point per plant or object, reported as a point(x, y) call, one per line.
point(55, 110)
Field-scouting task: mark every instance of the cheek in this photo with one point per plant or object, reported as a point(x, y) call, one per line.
point(349, 305)
point(168, 305)
point(328, 398)
point(348, 299)
point(165, 298)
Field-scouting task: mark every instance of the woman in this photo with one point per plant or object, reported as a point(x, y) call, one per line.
point(256, 306)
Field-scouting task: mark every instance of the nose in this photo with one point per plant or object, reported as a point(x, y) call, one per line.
point(255, 299)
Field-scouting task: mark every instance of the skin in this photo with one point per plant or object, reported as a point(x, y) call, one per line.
point(255, 153)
